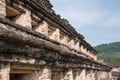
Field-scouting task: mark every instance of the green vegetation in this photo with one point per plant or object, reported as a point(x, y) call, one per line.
point(109, 52)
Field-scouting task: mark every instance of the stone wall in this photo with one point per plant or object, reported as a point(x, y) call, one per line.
point(48, 73)
point(36, 41)
point(26, 18)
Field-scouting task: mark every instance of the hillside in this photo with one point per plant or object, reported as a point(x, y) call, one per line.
point(109, 52)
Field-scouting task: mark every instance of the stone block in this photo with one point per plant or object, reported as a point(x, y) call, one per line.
point(77, 73)
point(4, 71)
point(42, 28)
point(64, 40)
point(71, 43)
point(83, 75)
point(2, 9)
point(82, 48)
point(77, 46)
point(11, 12)
point(68, 75)
point(56, 35)
point(24, 19)
point(45, 73)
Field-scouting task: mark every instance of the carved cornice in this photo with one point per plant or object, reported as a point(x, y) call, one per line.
point(45, 3)
point(46, 12)
point(38, 46)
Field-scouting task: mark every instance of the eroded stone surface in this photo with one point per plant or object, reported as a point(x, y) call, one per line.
point(83, 75)
point(42, 28)
point(24, 19)
point(56, 35)
point(65, 57)
point(2, 9)
point(4, 71)
point(68, 75)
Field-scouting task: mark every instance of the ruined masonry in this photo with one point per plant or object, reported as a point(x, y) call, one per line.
point(36, 44)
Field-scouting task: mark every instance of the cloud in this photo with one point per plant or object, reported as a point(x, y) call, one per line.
point(86, 12)
point(83, 12)
point(97, 20)
point(84, 17)
point(112, 20)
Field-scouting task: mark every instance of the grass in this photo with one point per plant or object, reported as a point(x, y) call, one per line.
point(111, 57)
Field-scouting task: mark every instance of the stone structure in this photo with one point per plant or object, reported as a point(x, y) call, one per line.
point(36, 44)
point(115, 72)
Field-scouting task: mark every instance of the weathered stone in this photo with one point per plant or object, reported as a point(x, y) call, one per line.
point(71, 43)
point(42, 28)
point(57, 75)
point(24, 19)
point(45, 73)
point(33, 47)
point(77, 46)
point(64, 40)
point(98, 75)
point(83, 75)
point(11, 12)
point(82, 48)
point(68, 75)
point(4, 71)
point(92, 75)
point(77, 77)
point(87, 75)
point(103, 75)
point(85, 51)
point(56, 35)
point(2, 9)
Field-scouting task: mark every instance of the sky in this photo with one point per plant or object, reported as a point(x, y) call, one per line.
point(97, 20)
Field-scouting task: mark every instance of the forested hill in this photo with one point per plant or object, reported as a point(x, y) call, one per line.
point(109, 52)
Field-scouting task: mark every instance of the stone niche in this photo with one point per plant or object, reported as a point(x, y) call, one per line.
point(43, 74)
point(36, 21)
point(63, 38)
point(57, 75)
point(18, 14)
point(24, 19)
point(42, 28)
point(11, 12)
point(54, 33)
point(82, 48)
point(77, 45)
point(71, 43)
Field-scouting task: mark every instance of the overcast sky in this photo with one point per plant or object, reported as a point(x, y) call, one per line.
point(97, 20)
